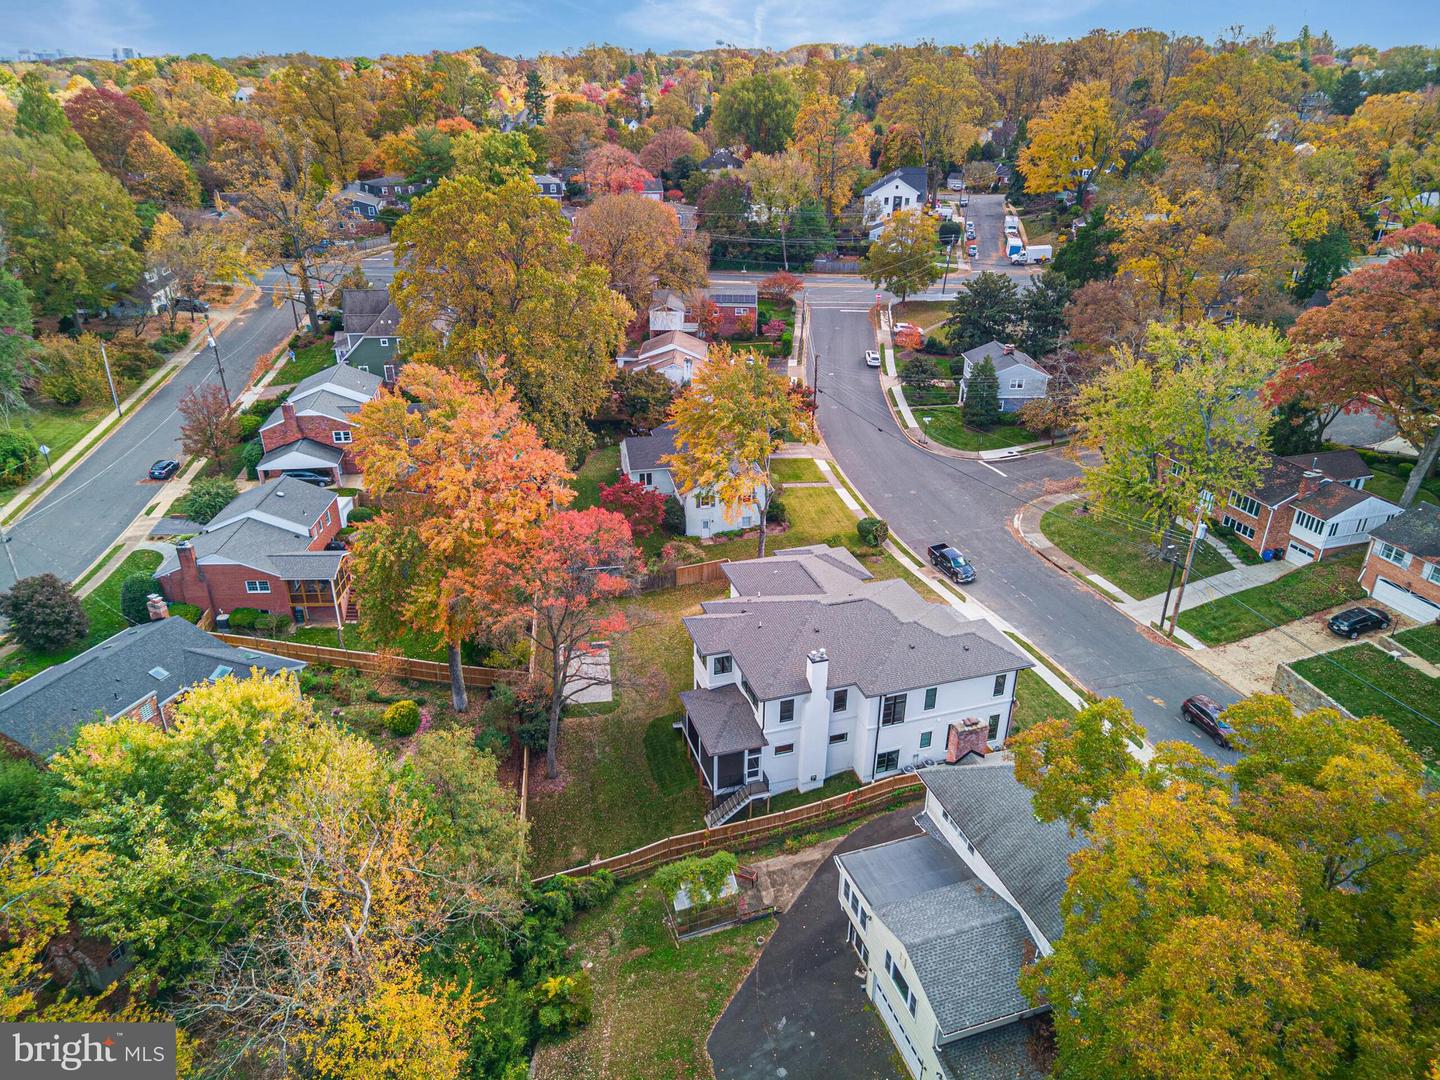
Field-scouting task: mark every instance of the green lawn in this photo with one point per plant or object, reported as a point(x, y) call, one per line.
point(788, 800)
point(102, 607)
point(1344, 675)
point(1388, 483)
point(1241, 550)
point(947, 426)
point(1299, 593)
point(1120, 553)
point(655, 1001)
point(795, 470)
point(1423, 641)
point(601, 467)
point(1035, 701)
point(923, 313)
point(307, 362)
point(771, 309)
point(416, 645)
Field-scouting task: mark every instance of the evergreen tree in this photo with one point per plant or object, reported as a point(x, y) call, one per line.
point(535, 96)
point(1087, 257)
point(1296, 429)
point(1348, 93)
point(39, 113)
point(1044, 313)
point(982, 396)
point(989, 309)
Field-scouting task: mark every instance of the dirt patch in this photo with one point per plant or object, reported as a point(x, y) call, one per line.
point(781, 877)
point(1249, 665)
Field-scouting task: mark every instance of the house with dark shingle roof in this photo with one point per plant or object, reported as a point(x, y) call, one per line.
point(1402, 564)
point(1020, 378)
point(645, 459)
point(944, 922)
point(673, 353)
point(367, 340)
point(141, 672)
point(313, 429)
point(811, 668)
point(899, 189)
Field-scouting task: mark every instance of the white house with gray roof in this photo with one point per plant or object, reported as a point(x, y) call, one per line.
point(811, 668)
point(944, 921)
point(1021, 378)
point(645, 460)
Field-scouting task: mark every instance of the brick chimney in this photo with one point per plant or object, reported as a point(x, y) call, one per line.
point(1311, 482)
point(286, 432)
point(969, 736)
point(156, 606)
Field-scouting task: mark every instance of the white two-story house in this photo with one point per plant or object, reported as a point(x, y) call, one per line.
point(899, 189)
point(810, 669)
point(644, 459)
point(944, 921)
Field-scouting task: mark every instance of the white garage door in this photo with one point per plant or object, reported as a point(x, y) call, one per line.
point(1405, 602)
point(1298, 554)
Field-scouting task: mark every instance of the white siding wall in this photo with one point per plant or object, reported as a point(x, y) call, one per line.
point(880, 204)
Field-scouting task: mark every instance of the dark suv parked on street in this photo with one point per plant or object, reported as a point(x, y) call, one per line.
point(951, 563)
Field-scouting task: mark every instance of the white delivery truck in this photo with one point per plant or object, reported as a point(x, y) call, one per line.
point(1012, 225)
point(1015, 249)
point(1035, 253)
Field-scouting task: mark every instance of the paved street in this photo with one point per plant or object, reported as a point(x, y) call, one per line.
point(83, 515)
point(927, 498)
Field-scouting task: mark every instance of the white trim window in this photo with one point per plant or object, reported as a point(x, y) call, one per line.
point(1245, 504)
point(257, 587)
point(1392, 554)
point(1309, 522)
point(1017, 384)
point(341, 437)
point(1242, 529)
point(902, 985)
point(1431, 572)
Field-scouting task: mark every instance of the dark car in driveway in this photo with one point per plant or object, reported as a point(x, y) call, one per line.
point(1355, 621)
point(1205, 715)
point(164, 469)
point(948, 560)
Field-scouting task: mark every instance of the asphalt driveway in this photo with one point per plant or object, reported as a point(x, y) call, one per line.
point(802, 1014)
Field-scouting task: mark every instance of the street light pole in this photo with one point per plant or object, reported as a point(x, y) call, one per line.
point(110, 379)
point(949, 250)
point(210, 340)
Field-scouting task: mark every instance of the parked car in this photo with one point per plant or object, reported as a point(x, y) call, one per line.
point(189, 303)
point(900, 327)
point(969, 232)
point(872, 358)
point(973, 250)
point(1205, 715)
point(951, 563)
point(309, 477)
point(164, 469)
point(1355, 621)
point(964, 200)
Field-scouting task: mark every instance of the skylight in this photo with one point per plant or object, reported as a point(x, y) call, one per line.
point(159, 673)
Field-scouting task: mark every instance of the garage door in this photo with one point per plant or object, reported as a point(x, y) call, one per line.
point(897, 1030)
point(1404, 601)
point(1298, 554)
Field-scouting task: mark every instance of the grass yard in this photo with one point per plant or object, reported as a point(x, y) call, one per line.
point(628, 781)
point(1299, 593)
point(1120, 553)
point(601, 467)
point(795, 470)
point(946, 426)
point(416, 645)
point(789, 800)
point(1388, 483)
point(102, 606)
point(771, 309)
point(1423, 641)
point(655, 1001)
point(1344, 675)
point(1241, 550)
point(1035, 701)
point(308, 361)
point(923, 313)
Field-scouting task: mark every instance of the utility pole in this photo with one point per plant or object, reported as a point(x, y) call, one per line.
point(110, 379)
point(290, 295)
point(949, 250)
point(210, 340)
point(1197, 533)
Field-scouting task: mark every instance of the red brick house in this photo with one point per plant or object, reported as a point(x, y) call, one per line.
point(269, 549)
point(1402, 565)
point(312, 430)
point(738, 306)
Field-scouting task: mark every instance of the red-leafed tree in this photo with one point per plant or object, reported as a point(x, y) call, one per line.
point(558, 596)
point(613, 170)
point(707, 315)
point(208, 427)
point(781, 285)
point(908, 337)
point(107, 121)
point(642, 507)
point(1378, 340)
point(773, 329)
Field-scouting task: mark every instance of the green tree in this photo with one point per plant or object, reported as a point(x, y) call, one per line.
point(988, 309)
point(44, 613)
point(535, 95)
point(18, 351)
point(758, 111)
point(1043, 313)
point(1349, 92)
point(1297, 429)
point(981, 407)
point(1075, 764)
point(902, 260)
point(1087, 257)
point(135, 591)
point(493, 157)
point(39, 113)
point(207, 496)
point(69, 224)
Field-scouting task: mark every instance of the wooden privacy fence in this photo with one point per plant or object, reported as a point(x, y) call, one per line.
point(753, 832)
point(400, 667)
point(700, 573)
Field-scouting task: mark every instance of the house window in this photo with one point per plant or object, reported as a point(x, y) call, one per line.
point(925, 739)
point(787, 711)
point(888, 761)
point(722, 665)
point(1017, 384)
point(852, 935)
point(385, 342)
point(1247, 531)
point(906, 994)
point(1307, 521)
point(257, 586)
point(389, 372)
point(147, 709)
point(1431, 572)
point(840, 701)
point(784, 748)
point(930, 697)
point(839, 737)
point(845, 888)
point(645, 478)
point(994, 726)
point(341, 437)
point(706, 500)
point(892, 710)
point(1390, 553)
point(1000, 683)
point(1245, 504)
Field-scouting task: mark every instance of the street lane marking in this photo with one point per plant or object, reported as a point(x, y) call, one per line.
point(990, 467)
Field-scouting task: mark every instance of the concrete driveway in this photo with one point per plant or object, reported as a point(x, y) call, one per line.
point(802, 1014)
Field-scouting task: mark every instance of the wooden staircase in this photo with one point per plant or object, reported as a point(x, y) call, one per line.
point(733, 803)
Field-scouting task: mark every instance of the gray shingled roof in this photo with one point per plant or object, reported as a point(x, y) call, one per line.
point(41, 712)
point(995, 813)
point(645, 451)
point(361, 308)
point(285, 498)
point(1015, 1051)
point(724, 720)
point(738, 293)
point(1002, 360)
point(880, 636)
point(1417, 530)
point(1281, 480)
point(309, 447)
point(965, 943)
point(343, 375)
point(914, 175)
point(800, 571)
point(1339, 465)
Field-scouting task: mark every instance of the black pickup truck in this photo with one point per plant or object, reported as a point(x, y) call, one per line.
point(951, 563)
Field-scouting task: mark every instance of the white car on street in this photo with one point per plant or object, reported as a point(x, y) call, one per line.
point(872, 358)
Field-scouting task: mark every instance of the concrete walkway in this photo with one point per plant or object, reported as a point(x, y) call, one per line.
point(1203, 590)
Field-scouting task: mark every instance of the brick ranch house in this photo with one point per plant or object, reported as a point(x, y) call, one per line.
point(738, 306)
point(1402, 565)
point(142, 672)
point(1306, 507)
point(269, 549)
point(313, 428)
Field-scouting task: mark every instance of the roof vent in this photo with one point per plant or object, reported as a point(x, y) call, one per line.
point(159, 673)
point(279, 494)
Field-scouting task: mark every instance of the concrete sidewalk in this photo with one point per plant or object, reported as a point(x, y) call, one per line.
point(1204, 590)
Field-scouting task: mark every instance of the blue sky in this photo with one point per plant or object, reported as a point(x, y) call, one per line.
point(527, 26)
